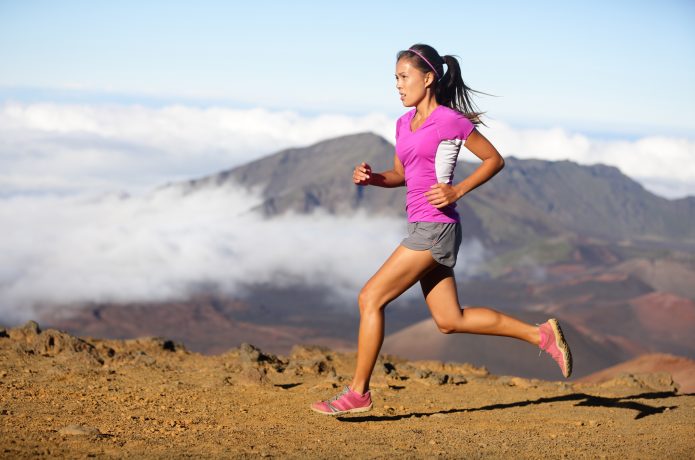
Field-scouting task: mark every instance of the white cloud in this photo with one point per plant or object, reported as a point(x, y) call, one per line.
point(661, 164)
point(70, 148)
point(61, 250)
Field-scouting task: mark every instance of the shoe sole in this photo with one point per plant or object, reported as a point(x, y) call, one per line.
point(562, 345)
point(341, 412)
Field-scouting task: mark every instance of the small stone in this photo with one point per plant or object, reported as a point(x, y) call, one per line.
point(521, 383)
point(251, 375)
point(389, 368)
point(248, 353)
point(458, 379)
point(433, 442)
point(423, 373)
point(31, 327)
point(439, 379)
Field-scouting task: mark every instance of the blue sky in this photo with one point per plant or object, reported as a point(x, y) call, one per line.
point(102, 97)
point(605, 68)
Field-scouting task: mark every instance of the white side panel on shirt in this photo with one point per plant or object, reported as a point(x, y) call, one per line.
point(445, 159)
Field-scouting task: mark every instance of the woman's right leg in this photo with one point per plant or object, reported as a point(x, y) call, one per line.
point(400, 271)
point(439, 289)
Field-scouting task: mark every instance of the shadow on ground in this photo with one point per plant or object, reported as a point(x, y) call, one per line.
point(583, 399)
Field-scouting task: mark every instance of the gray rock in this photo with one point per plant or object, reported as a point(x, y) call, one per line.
point(457, 379)
point(249, 354)
point(253, 375)
point(423, 373)
point(31, 327)
point(312, 360)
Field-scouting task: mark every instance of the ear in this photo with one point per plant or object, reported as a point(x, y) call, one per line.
point(429, 79)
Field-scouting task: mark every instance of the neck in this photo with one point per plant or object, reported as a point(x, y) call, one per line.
point(427, 105)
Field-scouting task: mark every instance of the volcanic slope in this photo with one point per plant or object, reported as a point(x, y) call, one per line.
point(65, 396)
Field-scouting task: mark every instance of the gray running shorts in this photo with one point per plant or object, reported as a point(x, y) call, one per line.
point(442, 239)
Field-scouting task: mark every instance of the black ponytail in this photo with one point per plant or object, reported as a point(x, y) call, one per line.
point(449, 88)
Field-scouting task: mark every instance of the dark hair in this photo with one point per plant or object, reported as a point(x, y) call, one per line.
point(449, 88)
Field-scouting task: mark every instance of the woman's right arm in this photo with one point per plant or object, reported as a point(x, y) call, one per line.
point(393, 178)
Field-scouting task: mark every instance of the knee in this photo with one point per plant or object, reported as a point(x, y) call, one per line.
point(446, 328)
point(368, 301)
point(449, 325)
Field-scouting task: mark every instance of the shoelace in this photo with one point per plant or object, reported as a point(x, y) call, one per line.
point(340, 395)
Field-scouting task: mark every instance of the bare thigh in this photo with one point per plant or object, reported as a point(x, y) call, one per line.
point(402, 269)
point(439, 288)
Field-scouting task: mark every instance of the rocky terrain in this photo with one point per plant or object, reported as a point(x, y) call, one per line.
point(65, 396)
point(610, 317)
point(681, 369)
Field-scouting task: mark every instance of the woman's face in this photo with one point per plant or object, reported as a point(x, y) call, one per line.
point(411, 82)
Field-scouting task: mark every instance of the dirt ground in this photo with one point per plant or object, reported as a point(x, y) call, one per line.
point(63, 396)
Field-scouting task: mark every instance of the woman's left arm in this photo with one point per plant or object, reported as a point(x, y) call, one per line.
point(441, 195)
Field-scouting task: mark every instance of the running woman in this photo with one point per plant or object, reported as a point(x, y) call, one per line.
point(428, 140)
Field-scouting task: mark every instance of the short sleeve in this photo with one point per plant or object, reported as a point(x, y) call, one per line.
point(455, 126)
point(465, 127)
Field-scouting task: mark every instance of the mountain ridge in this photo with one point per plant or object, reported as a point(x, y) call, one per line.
point(527, 199)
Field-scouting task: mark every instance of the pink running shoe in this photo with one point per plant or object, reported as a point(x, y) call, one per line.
point(553, 343)
point(346, 402)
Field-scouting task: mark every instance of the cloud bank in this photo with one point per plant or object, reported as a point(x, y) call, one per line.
point(73, 148)
point(69, 236)
point(70, 148)
point(663, 165)
point(164, 245)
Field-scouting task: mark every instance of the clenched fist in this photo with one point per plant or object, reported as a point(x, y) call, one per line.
point(362, 174)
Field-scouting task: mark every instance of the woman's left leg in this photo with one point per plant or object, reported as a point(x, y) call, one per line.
point(439, 288)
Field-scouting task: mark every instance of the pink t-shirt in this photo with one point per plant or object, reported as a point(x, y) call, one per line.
point(429, 156)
